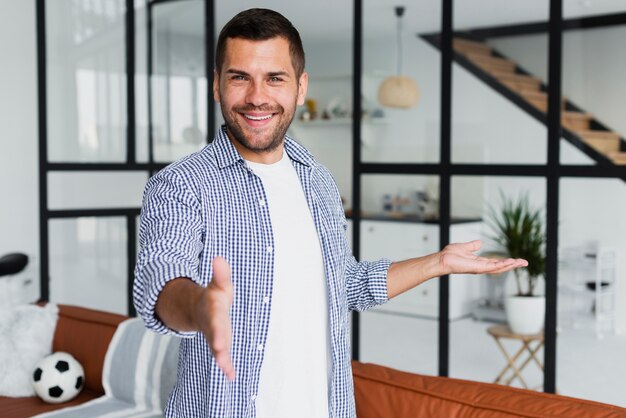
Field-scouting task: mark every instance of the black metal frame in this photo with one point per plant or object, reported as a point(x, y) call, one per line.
point(45, 167)
point(357, 165)
point(590, 22)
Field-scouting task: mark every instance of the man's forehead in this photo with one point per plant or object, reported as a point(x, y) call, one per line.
point(256, 52)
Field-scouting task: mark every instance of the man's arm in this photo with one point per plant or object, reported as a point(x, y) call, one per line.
point(185, 306)
point(453, 259)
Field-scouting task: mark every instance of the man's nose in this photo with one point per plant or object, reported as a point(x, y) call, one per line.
point(257, 94)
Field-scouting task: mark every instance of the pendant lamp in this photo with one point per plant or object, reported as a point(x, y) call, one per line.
point(398, 91)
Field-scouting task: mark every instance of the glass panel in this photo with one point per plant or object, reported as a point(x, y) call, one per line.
point(84, 190)
point(86, 81)
point(394, 131)
point(499, 93)
point(477, 302)
point(592, 291)
point(593, 82)
point(88, 263)
point(178, 79)
point(400, 221)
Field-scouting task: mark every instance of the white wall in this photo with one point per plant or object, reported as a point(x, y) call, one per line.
point(19, 190)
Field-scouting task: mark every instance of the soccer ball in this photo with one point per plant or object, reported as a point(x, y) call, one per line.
point(58, 378)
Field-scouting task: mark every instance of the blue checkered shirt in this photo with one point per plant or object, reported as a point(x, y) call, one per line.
point(210, 203)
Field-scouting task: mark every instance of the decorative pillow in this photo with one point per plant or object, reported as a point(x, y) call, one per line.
point(140, 366)
point(26, 334)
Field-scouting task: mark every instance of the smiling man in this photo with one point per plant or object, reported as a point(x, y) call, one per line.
point(244, 254)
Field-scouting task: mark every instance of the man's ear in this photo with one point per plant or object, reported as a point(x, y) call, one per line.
point(216, 86)
point(303, 84)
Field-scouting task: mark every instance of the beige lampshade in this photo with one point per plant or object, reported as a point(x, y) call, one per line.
point(399, 92)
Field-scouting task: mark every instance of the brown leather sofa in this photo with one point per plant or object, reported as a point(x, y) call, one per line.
point(384, 392)
point(380, 392)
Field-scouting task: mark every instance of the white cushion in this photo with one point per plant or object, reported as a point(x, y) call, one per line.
point(140, 366)
point(26, 334)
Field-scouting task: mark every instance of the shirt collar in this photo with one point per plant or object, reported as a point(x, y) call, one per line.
point(227, 154)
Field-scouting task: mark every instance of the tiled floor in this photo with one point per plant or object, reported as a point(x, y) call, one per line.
point(587, 367)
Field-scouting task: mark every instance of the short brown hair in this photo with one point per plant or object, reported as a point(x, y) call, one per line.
point(261, 25)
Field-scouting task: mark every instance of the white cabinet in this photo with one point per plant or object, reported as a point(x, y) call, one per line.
point(402, 240)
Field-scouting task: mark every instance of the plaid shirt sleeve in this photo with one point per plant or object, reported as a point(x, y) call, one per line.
point(366, 283)
point(170, 243)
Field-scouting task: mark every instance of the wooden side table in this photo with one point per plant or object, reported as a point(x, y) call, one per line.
point(517, 362)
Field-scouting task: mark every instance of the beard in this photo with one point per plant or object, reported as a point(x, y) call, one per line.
point(258, 140)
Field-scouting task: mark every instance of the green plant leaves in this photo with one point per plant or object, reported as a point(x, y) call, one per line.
point(519, 230)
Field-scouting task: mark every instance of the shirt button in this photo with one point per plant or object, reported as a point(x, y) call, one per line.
point(253, 397)
point(270, 249)
point(262, 202)
point(266, 300)
point(259, 347)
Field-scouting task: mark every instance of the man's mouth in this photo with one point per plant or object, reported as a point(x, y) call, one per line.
point(254, 117)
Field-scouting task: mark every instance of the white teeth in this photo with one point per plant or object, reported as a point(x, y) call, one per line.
point(257, 117)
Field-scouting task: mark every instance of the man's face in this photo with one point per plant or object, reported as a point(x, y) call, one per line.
point(258, 91)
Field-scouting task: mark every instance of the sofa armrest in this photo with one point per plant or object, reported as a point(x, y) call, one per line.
point(86, 333)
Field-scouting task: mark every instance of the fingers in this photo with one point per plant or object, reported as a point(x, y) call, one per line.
point(219, 333)
point(501, 266)
point(220, 347)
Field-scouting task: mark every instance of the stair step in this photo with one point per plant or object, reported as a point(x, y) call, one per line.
point(517, 86)
point(465, 46)
point(575, 121)
point(518, 82)
point(539, 99)
point(605, 142)
point(492, 64)
point(618, 158)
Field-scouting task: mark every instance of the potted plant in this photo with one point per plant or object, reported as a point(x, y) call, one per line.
point(520, 232)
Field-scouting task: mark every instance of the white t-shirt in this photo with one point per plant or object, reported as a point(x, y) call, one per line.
point(294, 379)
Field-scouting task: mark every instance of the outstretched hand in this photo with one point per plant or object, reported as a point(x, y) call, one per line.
point(461, 258)
point(214, 309)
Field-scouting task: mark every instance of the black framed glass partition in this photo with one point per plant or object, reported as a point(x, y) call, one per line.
point(96, 149)
point(125, 89)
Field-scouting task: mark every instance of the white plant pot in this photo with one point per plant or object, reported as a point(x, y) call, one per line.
point(525, 314)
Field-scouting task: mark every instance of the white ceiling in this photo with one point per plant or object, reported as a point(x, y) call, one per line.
point(327, 20)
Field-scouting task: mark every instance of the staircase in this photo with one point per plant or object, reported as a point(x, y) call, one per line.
point(579, 127)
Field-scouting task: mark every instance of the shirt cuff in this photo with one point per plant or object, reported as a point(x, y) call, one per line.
point(377, 282)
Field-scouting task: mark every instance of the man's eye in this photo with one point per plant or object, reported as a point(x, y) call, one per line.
point(238, 77)
point(275, 79)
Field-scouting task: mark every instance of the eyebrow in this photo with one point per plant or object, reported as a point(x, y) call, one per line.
point(278, 73)
point(270, 74)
